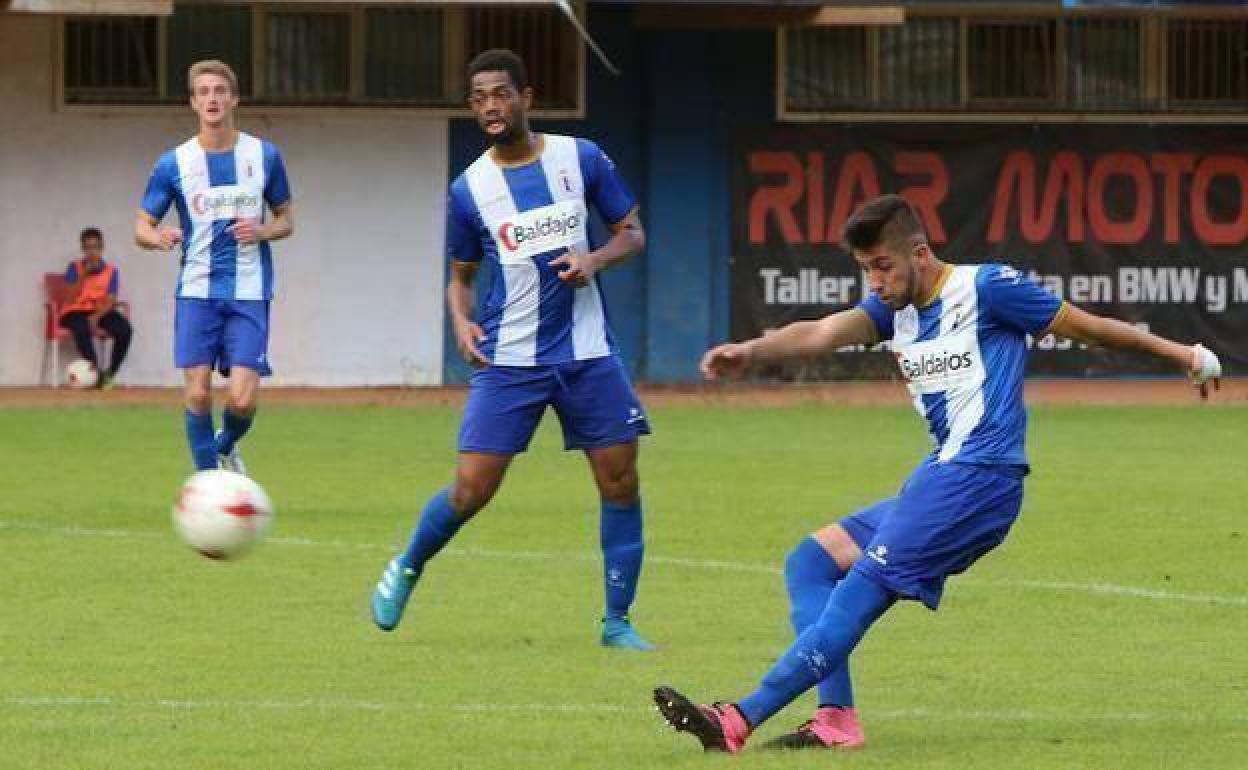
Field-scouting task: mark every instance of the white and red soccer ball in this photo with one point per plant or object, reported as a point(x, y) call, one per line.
point(81, 373)
point(222, 514)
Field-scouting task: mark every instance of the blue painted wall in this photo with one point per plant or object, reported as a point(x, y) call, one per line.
point(667, 123)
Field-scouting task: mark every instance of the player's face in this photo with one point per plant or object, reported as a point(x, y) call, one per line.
point(92, 247)
point(212, 99)
point(891, 274)
point(501, 109)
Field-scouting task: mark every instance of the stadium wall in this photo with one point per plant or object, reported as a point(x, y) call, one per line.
point(668, 124)
point(359, 284)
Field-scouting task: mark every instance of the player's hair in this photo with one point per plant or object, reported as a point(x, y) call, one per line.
point(90, 232)
point(211, 67)
point(889, 219)
point(500, 60)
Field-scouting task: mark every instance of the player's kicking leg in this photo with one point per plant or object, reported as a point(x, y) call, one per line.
point(719, 727)
point(477, 478)
point(811, 572)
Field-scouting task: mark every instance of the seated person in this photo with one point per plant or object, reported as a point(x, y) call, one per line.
point(92, 304)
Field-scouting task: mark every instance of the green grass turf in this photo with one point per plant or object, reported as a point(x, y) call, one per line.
point(120, 648)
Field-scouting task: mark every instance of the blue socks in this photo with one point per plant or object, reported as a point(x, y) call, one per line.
point(233, 427)
point(202, 439)
point(438, 524)
point(199, 436)
point(856, 603)
point(622, 551)
point(810, 574)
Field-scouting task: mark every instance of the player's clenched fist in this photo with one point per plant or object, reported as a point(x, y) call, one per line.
point(246, 231)
point(1206, 368)
point(577, 266)
point(168, 237)
point(729, 360)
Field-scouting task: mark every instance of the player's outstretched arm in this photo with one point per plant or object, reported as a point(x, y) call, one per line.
point(149, 234)
point(796, 340)
point(1196, 361)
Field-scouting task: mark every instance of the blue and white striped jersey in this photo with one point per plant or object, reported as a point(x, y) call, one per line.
point(211, 190)
point(517, 219)
point(963, 356)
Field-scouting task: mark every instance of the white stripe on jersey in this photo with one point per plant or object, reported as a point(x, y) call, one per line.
point(195, 280)
point(517, 330)
point(948, 365)
point(249, 171)
point(964, 401)
point(905, 330)
point(589, 322)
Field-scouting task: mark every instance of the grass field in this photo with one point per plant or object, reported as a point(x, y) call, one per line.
point(1108, 632)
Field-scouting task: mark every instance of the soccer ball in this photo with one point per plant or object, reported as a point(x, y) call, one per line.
point(222, 514)
point(81, 374)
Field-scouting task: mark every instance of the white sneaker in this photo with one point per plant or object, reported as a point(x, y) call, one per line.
point(232, 461)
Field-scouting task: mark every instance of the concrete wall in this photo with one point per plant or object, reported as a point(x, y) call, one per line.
point(359, 285)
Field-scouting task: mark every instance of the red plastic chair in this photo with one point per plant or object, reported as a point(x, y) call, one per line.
point(56, 293)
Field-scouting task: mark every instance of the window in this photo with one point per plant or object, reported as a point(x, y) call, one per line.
point(827, 67)
point(919, 63)
point(326, 53)
point(404, 55)
point(1103, 62)
point(111, 60)
point(197, 32)
point(1023, 62)
point(546, 42)
point(308, 57)
point(1011, 61)
point(1206, 62)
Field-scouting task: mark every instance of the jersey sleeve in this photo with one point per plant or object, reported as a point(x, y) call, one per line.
point(276, 185)
point(463, 243)
point(880, 314)
point(71, 273)
point(114, 282)
point(161, 187)
point(1015, 300)
point(603, 186)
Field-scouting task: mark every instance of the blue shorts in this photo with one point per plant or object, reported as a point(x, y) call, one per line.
point(945, 517)
point(222, 333)
point(594, 400)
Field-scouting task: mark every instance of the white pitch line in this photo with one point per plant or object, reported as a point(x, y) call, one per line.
point(321, 704)
point(1102, 589)
point(1109, 589)
point(308, 704)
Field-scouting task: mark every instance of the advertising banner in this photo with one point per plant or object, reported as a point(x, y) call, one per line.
point(1143, 223)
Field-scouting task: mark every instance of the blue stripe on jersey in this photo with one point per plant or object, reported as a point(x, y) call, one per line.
point(224, 255)
point(266, 267)
point(188, 233)
point(602, 185)
point(224, 251)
